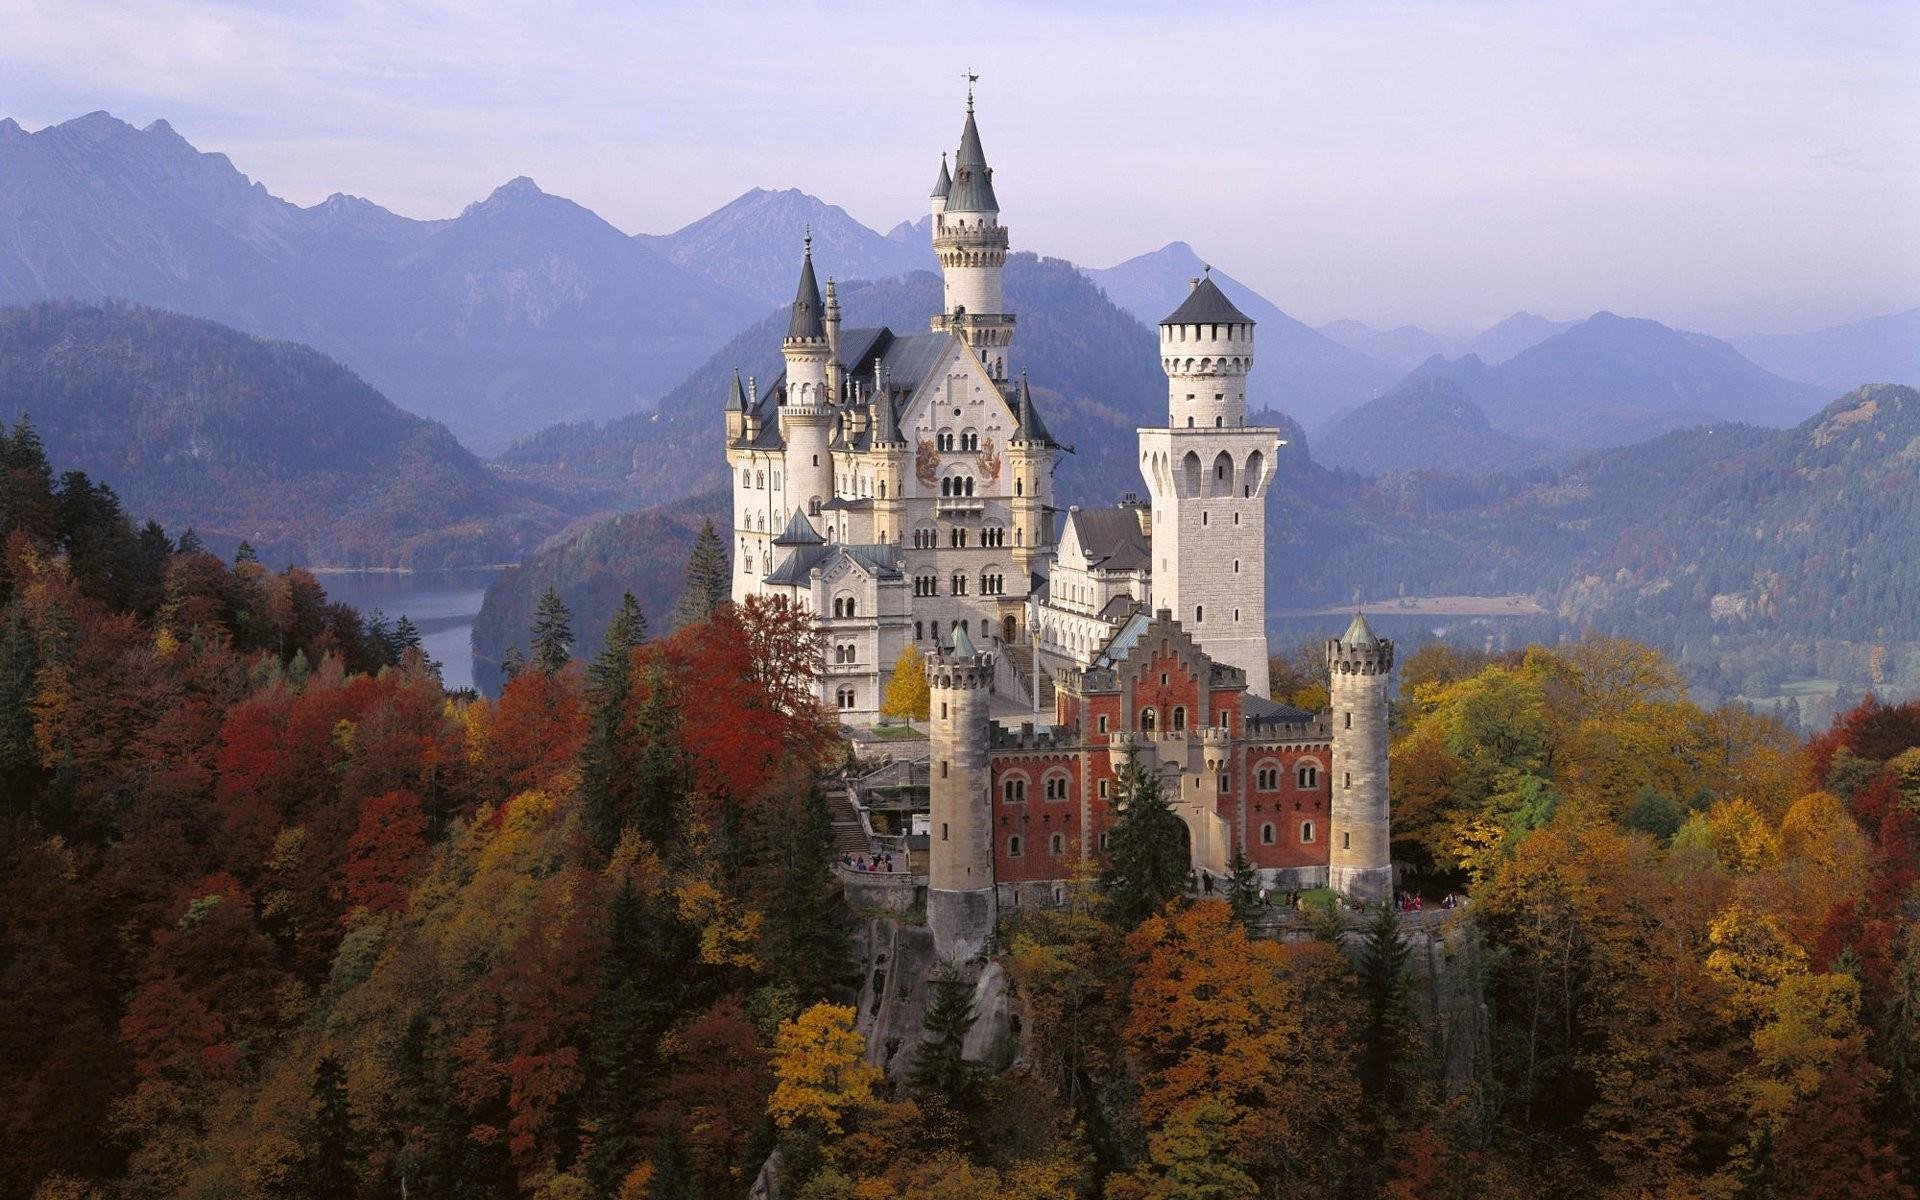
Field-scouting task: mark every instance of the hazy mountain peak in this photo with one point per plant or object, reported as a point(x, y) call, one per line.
point(519, 187)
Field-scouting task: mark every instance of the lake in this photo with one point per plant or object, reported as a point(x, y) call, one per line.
point(442, 604)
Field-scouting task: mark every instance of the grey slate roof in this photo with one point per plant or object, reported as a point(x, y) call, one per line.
point(1112, 538)
point(1118, 607)
point(809, 320)
point(1122, 642)
point(944, 184)
point(1259, 712)
point(1032, 428)
point(795, 569)
point(1206, 304)
point(972, 177)
point(799, 531)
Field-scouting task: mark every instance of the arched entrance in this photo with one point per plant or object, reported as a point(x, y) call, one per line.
point(1009, 628)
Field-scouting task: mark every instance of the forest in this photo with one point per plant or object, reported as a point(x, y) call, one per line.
point(285, 918)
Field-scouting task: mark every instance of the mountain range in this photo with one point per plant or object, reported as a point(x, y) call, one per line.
point(1605, 381)
point(524, 309)
point(1407, 346)
point(1886, 349)
point(752, 245)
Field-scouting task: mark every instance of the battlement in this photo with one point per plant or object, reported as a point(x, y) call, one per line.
point(963, 673)
point(1028, 736)
point(1374, 657)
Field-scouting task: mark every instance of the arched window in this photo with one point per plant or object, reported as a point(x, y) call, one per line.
point(1019, 487)
point(1056, 787)
point(1266, 834)
point(1146, 720)
point(1057, 844)
point(1199, 613)
point(1308, 775)
point(1306, 831)
point(1013, 846)
point(1179, 717)
point(1014, 789)
point(946, 487)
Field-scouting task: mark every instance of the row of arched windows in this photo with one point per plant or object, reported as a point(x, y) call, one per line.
point(1056, 845)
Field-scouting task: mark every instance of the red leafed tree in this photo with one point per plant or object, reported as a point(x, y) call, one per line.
point(537, 728)
point(750, 715)
point(1830, 1150)
point(716, 1092)
point(386, 847)
point(168, 1029)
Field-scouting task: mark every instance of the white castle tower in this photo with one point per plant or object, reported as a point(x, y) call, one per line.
point(1208, 474)
point(806, 419)
point(972, 247)
point(1360, 863)
point(961, 904)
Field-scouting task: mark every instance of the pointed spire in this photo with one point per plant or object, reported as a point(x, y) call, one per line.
point(808, 321)
point(736, 396)
point(1031, 427)
point(962, 644)
point(943, 186)
point(972, 178)
point(799, 531)
point(1359, 633)
point(883, 424)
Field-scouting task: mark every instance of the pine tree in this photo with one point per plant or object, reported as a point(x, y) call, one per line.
point(802, 942)
point(627, 630)
point(513, 660)
point(1388, 1031)
point(190, 543)
point(244, 553)
point(908, 696)
point(19, 750)
point(941, 1067)
point(709, 579)
point(327, 1167)
point(1243, 889)
point(672, 1168)
point(1148, 860)
point(659, 778)
point(552, 633)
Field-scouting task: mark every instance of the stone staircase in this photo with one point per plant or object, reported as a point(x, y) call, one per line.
point(1019, 658)
point(849, 835)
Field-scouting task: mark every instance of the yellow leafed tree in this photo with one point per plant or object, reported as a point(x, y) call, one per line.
point(907, 696)
point(820, 1068)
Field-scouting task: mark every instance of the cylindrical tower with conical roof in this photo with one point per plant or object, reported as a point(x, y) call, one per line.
point(1360, 861)
point(972, 247)
point(806, 418)
point(961, 905)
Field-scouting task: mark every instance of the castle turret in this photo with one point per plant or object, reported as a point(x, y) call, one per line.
point(807, 416)
point(1208, 472)
point(942, 188)
point(836, 382)
point(1360, 863)
point(961, 905)
point(1030, 454)
point(972, 247)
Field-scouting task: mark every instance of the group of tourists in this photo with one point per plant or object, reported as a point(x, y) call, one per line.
point(868, 862)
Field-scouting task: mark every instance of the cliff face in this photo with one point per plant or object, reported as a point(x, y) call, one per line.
point(898, 964)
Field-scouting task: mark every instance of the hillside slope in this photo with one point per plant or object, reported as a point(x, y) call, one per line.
point(195, 424)
point(1426, 423)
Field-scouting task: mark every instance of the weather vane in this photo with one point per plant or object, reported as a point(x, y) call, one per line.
point(972, 78)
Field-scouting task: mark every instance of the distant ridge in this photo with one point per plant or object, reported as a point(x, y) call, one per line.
point(752, 244)
point(1876, 350)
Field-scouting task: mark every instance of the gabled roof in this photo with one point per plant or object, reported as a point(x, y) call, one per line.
point(797, 568)
point(1111, 538)
point(1123, 640)
point(1206, 304)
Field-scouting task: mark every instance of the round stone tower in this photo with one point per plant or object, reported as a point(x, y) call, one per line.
point(1360, 863)
point(961, 907)
point(972, 247)
point(1206, 349)
point(806, 419)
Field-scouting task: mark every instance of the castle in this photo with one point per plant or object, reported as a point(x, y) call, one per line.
point(899, 486)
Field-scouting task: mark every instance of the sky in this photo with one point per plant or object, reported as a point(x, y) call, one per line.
point(1738, 167)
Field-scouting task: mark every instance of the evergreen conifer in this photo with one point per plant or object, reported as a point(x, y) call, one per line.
point(1147, 847)
point(941, 1068)
point(327, 1167)
point(190, 542)
point(709, 579)
point(244, 553)
point(552, 633)
point(1243, 888)
point(802, 944)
